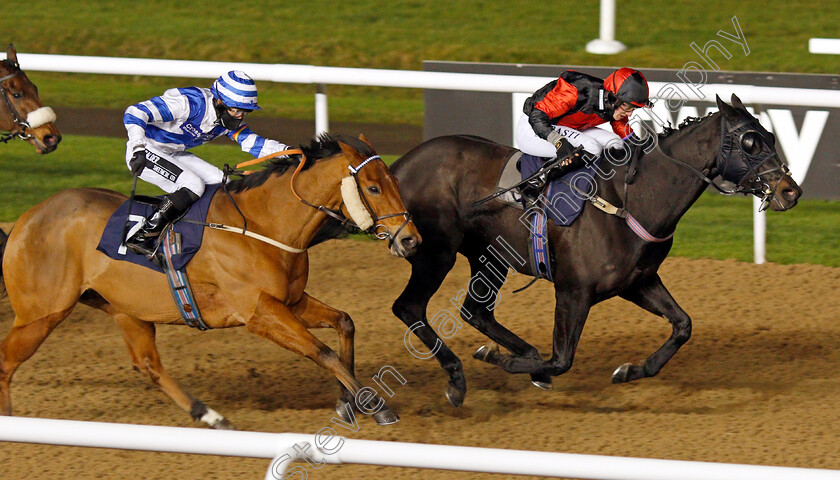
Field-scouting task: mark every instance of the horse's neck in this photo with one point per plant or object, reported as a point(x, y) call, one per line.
point(272, 209)
point(664, 191)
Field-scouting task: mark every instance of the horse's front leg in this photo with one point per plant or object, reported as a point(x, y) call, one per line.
point(652, 295)
point(570, 312)
point(314, 313)
point(478, 310)
point(274, 320)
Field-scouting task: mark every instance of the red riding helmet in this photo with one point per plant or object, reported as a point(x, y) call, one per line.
point(629, 86)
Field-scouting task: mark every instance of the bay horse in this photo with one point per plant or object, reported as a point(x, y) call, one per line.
point(51, 262)
point(598, 257)
point(21, 113)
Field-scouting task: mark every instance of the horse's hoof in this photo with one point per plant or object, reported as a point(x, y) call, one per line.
point(622, 373)
point(541, 381)
point(486, 353)
point(386, 416)
point(223, 424)
point(455, 395)
point(343, 409)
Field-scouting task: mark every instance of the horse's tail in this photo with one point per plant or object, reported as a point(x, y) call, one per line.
point(3, 238)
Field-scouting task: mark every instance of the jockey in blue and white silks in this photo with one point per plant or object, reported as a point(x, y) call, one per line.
point(162, 129)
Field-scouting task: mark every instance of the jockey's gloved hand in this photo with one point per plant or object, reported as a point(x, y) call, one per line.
point(564, 148)
point(569, 164)
point(137, 162)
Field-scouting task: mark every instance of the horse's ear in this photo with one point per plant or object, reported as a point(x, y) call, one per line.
point(736, 102)
point(348, 151)
point(363, 138)
point(724, 108)
point(11, 54)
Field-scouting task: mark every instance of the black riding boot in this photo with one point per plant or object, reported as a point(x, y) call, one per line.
point(171, 208)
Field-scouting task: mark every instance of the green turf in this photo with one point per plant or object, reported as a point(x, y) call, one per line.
point(400, 34)
point(716, 227)
point(397, 34)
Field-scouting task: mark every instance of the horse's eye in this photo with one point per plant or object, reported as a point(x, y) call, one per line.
point(751, 142)
point(17, 95)
point(373, 189)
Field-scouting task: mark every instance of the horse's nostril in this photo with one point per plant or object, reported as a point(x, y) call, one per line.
point(409, 242)
point(50, 140)
point(790, 193)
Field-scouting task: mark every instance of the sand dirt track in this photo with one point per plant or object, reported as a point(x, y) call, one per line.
point(758, 383)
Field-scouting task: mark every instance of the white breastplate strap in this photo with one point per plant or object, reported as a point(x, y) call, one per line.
point(247, 233)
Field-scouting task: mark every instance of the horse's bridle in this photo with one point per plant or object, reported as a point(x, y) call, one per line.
point(746, 177)
point(751, 182)
point(354, 171)
point(21, 123)
point(748, 182)
point(337, 215)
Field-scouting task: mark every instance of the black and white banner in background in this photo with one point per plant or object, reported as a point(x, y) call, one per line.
point(808, 137)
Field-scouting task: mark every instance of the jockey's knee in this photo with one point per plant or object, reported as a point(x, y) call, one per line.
point(190, 183)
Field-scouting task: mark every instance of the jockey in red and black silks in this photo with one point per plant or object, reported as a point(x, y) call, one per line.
point(564, 113)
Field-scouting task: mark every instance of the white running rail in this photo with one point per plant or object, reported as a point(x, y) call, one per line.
point(280, 448)
point(475, 82)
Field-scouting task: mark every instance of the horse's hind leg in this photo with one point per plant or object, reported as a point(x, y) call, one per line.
point(20, 344)
point(139, 336)
point(313, 313)
point(655, 298)
point(275, 321)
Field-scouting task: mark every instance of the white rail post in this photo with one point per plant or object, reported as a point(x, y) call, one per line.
point(606, 44)
point(828, 46)
point(759, 232)
point(322, 113)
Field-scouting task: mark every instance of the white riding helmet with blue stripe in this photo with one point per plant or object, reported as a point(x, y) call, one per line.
point(236, 90)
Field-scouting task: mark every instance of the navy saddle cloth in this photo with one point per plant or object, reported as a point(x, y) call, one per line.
point(564, 204)
point(191, 234)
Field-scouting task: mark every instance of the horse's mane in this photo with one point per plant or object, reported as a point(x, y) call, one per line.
point(667, 131)
point(322, 146)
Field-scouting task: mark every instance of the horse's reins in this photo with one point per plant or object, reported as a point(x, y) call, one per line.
point(354, 172)
point(243, 230)
point(722, 159)
point(321, 208)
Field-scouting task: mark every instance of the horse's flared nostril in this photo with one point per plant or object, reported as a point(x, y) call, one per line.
point(409, 242)
point(51, 140)
point(790, 193)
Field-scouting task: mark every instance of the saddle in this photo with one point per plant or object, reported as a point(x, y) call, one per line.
point(180, 242)
point(559, 200)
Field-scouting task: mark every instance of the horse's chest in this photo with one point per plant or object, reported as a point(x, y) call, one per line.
point(296, 273)
point(615, 277)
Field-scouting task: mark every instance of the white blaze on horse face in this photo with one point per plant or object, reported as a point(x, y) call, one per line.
point(41, 116)
point(355, 206)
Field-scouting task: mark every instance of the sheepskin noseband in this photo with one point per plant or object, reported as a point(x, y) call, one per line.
point(355, 206)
